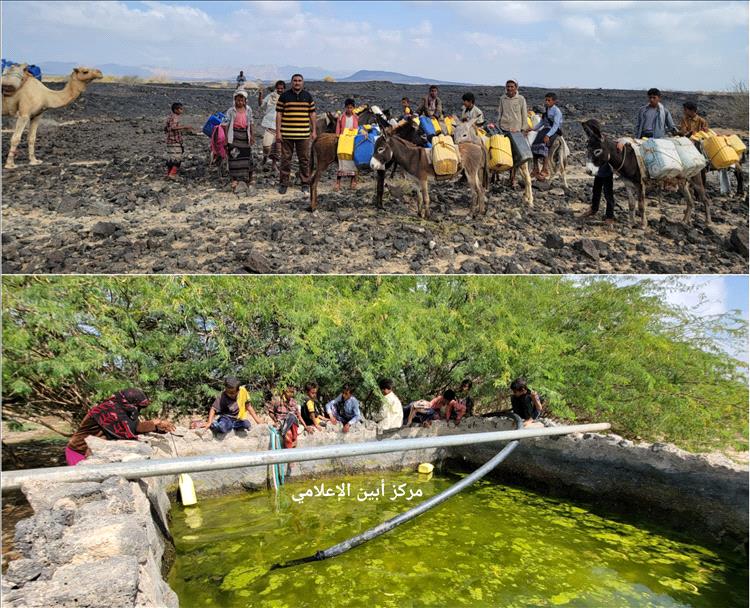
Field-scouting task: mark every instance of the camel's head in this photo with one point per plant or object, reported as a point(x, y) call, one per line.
point(86, 74)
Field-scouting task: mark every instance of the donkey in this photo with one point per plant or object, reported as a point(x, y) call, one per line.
point(466, 132)
point(416, 163)
point(326, 123)
point(324, 151)
point(604, 151)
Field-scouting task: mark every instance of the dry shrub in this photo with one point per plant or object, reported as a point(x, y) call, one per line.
point(738, 104)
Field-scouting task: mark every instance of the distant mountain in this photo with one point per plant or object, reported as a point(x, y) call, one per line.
point(60, 68)
point(394, 77)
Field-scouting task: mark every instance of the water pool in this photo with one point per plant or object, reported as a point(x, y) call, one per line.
point(491, 545)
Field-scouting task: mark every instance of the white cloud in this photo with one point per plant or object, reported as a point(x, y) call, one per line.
point(582, 26)
point(274, 7)
point(707, 295)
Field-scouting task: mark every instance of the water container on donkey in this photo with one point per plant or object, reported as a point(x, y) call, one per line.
point(738, 145)
point(426, 123)
point(692, 160)
point(521, 148)
point(364, 147)
point(213, 120)
point(444, 155)
point(501, 154)
point(719, 153)
point(661, 158)
point(345, 147)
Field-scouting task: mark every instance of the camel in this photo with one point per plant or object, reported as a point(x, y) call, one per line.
point(30, 101)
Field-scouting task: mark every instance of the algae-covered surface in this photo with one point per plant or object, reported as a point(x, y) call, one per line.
point(490, 545)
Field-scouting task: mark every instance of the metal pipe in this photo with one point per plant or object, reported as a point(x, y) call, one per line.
point(428, 504)
point(12, 480)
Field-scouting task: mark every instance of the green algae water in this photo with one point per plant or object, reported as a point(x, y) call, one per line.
point(490, 545)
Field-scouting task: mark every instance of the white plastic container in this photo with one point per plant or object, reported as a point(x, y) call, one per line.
point(661, 159)
point(691, 158)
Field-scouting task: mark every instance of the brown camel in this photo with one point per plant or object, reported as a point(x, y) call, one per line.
point(30, 101)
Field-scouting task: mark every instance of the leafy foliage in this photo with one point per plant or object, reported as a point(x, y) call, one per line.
point(599, 350)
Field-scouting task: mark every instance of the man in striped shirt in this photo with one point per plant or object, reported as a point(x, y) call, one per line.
point(295, 130)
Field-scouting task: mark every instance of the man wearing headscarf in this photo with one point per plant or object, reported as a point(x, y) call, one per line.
point(114, 418)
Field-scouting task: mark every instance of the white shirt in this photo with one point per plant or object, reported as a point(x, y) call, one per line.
point(393, 412)
point(268, 106)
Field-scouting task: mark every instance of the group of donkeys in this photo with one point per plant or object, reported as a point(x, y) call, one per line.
point(403, 146)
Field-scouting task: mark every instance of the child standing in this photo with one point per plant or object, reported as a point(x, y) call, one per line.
point(347, 168)
point(604, 180)
point(175, 149)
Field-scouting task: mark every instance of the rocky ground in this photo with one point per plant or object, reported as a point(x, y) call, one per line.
point(99, 203)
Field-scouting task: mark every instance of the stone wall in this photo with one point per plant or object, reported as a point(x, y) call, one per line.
point(103, 544)
point(201, 441)
point(705, 496)
point(92, 544)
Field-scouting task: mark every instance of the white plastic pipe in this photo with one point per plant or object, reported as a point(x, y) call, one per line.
point(12, 480)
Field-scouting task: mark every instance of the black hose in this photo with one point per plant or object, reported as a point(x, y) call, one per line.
point(386, 526)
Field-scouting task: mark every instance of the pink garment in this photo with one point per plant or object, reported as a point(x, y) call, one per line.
point(341, 123)
point(240, 120)
point(219, 142)
point(72, 457)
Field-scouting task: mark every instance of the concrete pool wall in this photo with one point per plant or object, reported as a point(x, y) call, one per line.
point(108, 544)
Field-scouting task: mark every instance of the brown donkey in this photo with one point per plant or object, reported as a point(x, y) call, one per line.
point(603, 150)
point(415, 161)
point(466, 132)
point(325, 146)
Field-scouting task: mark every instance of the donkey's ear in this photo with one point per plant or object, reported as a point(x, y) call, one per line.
point(592, 129)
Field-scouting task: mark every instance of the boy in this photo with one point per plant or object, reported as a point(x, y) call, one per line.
point(344, 409)
point(312, 413)
point(604, 180)
point(286, 417)
point(653, 119)
point(425, 412)
point(691, 123)
point(465, 397)
point(525, 402)
point(549, 129)
point(393, 411)
point(471, 111)
point(229, 410)
point(405, 108)
point(271, 148)
point(175, 149)
point(431, 105)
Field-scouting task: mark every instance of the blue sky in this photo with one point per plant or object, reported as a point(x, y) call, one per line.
point(672, 45)
point(706, 295)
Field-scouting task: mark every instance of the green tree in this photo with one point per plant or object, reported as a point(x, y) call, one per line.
point(597, 349)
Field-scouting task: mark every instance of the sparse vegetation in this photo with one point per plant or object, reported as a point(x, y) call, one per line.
point(739, 101)
point(329, 79)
